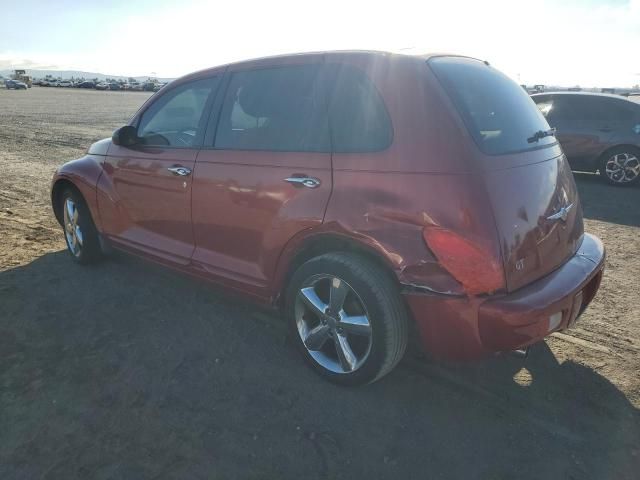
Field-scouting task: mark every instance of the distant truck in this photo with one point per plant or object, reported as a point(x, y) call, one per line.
point(21, 76)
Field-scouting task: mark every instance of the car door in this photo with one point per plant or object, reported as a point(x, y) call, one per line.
point(267, 174)
point(147, 205)
point(580, 122)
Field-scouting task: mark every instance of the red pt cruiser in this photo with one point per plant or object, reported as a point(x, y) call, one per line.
point(364, 193)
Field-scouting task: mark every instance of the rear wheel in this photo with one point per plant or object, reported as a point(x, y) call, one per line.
point(347, 318)
point(80, 233)
point(621, 166)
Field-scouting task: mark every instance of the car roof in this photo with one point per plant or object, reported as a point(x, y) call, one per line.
point(583, 94)
point(330, 53)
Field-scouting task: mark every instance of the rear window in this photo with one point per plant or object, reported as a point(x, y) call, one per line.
point(498, 113)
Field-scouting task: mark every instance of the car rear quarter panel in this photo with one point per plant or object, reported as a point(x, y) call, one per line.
point(424, 178)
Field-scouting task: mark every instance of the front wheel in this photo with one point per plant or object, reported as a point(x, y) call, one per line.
point(347, 318)
point(621, 166)
point(80, 233)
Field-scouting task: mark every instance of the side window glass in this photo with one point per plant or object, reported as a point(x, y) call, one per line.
point(175, 118)
point(274, 109)
point(619, 111)
point(566, 109)
point(357, 114)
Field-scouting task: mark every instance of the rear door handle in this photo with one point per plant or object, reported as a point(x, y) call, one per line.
point(180, 170)
point(304, 181)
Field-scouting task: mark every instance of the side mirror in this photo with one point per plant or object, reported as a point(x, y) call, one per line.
point(126, 136)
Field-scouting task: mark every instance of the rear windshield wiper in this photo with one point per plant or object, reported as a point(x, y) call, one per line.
point(541, 134)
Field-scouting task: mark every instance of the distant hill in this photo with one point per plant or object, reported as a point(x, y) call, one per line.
point(67, 74)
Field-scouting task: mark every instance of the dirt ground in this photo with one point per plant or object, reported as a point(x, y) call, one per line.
point(126, 371)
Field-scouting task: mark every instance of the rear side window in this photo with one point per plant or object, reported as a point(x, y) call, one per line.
point(498, 113)
point(357, 114)
point(584, 108)
point(276, 109)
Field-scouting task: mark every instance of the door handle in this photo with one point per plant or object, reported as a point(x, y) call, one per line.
point(606, 129)
point(304, 181)
point(180, 170)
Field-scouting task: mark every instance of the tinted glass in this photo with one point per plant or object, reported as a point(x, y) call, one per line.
point(498, 113)
point(175, 119)
point(357, 114)
point(556, 108)
point(277, 109)
point(585, 108)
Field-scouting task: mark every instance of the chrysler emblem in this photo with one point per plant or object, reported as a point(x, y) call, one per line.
point(561, 214)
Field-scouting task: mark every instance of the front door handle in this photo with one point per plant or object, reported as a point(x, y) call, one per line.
point(304, 181)
point(180, 170)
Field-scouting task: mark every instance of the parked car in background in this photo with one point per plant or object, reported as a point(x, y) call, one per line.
point(598, 132)
point(15, 85)
point(102, 86)
point(64, 83)
point(115, 86)
point(86, 84)
point(366, 194)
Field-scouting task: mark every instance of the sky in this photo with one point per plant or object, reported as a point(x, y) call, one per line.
point(563, 42)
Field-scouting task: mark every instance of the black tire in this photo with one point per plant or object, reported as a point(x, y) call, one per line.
point(602, 164)
point(378, 293)
point(90, 251)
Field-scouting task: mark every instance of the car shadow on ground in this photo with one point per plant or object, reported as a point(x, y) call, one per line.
point(126, 370)
point(608, 203)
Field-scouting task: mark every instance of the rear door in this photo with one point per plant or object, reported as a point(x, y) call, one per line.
point(148, 206)
point(527, 179)
point(267, 173)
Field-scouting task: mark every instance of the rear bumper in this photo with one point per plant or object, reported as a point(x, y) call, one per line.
point(464, 328)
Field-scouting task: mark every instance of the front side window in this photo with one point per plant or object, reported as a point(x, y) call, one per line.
point(274, 109)
point(557, 108)
point(175, 119)
point(497, 112)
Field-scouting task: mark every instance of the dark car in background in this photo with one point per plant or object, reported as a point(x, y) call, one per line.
point(15, 84)
point(597, 132)
point(86, 84)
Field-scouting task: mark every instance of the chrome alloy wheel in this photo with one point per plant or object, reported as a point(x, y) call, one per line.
point(333, 324)
point(72, 230)
point(622, 168)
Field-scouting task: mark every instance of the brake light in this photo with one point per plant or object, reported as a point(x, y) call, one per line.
point(473, 266)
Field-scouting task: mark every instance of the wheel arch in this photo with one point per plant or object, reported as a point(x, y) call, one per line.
point(59, 186)
point(314, 245)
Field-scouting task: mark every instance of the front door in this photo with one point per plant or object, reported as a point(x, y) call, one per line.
point(148, 205)
point(268, 176)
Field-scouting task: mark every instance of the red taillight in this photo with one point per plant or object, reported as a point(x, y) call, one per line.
point(474, 267)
